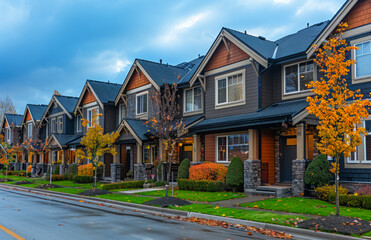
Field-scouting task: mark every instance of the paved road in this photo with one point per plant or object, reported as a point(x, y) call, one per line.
point(39, 219)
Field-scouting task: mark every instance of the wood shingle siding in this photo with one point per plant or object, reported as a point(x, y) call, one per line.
point(223, 57)
point(28, 116)
point(137, 81)
point(360, 15)
point(210, 150)
point(88, 97)
point(267, 153)
point(5, 123)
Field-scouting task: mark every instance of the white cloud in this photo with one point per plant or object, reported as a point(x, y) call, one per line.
point(11, 16)
point(317, 5)
point(282, 1)
point(269, 33)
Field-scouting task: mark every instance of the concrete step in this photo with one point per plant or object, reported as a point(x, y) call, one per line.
point(278, 191)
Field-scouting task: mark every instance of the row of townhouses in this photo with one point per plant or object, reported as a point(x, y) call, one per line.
point(246, 97)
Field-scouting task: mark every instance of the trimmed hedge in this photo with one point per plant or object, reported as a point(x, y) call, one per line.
point(58, 177)
point(201, 185)
point(324, 191)
point(83, 179)
point(352, 200)
point(122, 185)
point(317, 172)
point(159, 183)
point(234, 177)
point(183, 170)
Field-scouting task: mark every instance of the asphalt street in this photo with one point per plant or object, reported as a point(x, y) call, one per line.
point(27, 217)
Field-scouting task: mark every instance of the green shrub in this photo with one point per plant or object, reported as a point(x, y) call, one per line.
point(83, 179)
point(129, 174)
point(324, 191)
point(122, 185)
point(159, 183)
point(72, 169)
point(100, 171)
point(56, 171)
point(58, 177)
point(183, 170)
point(356, 201)
point(318, 172)
point(234, 177)
point(201, 185)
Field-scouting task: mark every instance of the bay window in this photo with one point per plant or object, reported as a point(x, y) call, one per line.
point(230, 89)
point(142, 103)
point(297, 76)
point(232, 145)
point(193, 99)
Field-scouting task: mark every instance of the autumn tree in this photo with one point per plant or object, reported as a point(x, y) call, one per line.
point(338, 109)
point(4, 158)
point(96, 143)
point(166, 123)
point(6, 106)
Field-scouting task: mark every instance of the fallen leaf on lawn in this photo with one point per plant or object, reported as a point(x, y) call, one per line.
point(255, 206)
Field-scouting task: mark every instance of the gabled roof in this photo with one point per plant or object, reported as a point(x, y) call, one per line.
point(137, 128)
point(13, 119)
point(35, 110)
point(67, 104)
point(62, 139)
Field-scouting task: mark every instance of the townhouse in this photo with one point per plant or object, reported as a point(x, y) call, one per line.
point(246, 97)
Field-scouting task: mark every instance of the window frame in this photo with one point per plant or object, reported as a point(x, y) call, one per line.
point(78, 124)
point(87, 115)
point(121, 116)
point(60, 124)
point(225, 77)
point(193, 100)
point(136, 103)
point(365, 160)
point(29, 130)
point(354, 57)
point(298, 65)
point(8, 134)
point(53, 125)
point(226, 148)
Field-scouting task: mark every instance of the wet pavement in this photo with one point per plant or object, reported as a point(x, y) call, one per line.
point(39, 219)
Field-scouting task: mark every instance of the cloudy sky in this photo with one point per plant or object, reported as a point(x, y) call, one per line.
point(47, 45)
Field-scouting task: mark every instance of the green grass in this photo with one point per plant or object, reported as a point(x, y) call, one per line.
point(125, 198)
point(367, 234)
point(68, 190)
point(196, 196)
point(259, 216)
point(308, 206)
point(124, 189)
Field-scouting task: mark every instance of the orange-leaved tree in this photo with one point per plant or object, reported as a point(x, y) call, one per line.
point(96, 143)
point(167, 124)
point(4, 156)
point(338, 109)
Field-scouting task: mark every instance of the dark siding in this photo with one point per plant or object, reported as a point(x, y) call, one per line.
point(110, 118)
point(267, 88)
point(251, 96)
point(69, 125)
point(56, 110)
point(354, 174)
point(277, 84)
point(131, 113)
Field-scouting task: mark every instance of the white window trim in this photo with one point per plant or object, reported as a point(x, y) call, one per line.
point(193, 100)
point(29, 133)
point(234, 103)
point(226, 150)
point(78, 124)
point(47, 129)
point(120, 112)
point(87, 114)
point(298, 64)
point(361, 79)
point(60, 124)
point(8, 134)
point(136, 104)
point(365, 160)
point(52, 125)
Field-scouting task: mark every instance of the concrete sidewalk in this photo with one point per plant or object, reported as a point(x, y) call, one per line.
point(141, 190)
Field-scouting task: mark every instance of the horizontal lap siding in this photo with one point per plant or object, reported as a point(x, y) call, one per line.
point(360, 15)
point(223, 57)
point(267, 153)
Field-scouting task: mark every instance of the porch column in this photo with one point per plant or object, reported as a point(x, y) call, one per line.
point(139, 167)
point(42, 158)
point(196, 148)
point(160, 151)
point(298, 164)
point(117, 170)
point(62, 168)
point(76, 159)
point(116, 158)
point(50, 157)
point(252, 166)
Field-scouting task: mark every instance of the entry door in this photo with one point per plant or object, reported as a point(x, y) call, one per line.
point(288, 155)
point(128, 159)
point(187, 152)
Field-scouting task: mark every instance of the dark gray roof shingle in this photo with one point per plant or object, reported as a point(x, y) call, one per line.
point(37, 111)
point(106, 91)
point(14, 119)
point(63, 139)
point(68, 103)
point(139, 127)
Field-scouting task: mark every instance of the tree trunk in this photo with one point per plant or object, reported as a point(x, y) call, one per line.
point(168, 172)
point(337, 186)
point(95, 173)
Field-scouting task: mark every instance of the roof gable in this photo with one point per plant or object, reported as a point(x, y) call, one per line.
point(88, 97)
point(137, 79)
point(28, 115)
point(13, 119)
point(65, 103)
point(359, 15)
point(5, 124)
point(34, 112)
point(104, 91)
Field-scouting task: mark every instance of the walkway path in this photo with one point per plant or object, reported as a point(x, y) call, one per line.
point(141, 190)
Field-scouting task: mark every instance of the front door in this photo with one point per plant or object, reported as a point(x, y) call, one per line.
point(186, 152)
point(288, 155)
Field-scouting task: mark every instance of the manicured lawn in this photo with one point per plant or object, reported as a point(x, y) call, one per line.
point(125, 198)
point(308, 206)
point(68, 190)
point(196, 196)
point(15, 178)
point(260, 216)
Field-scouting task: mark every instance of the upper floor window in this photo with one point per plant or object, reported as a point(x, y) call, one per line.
point(47, 129)
point(363, 59)
point(230, 89)
point(53, 126)
point(78, 124)
point(29, 130)
point(90, 114)
point(193, 99)
point(142, 103)
point(122, 111)
point(297, 76)
point(60, 124)
point(8, 134)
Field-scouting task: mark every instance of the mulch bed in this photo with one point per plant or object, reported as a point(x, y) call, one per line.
point(23, 182)
point(94, 192)
point(340, 224)
point(5, 180)
point(48, 186)
point(167, 201)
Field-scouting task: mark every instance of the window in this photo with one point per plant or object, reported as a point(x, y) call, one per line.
point(90, 115)
point(363, 151)
point(363, 58)
point(60, 124)
point(297, 76)
point(193, 99)
point(122, 112)
point(8, 134)
point(47, 129)
point(78, 124)
point(232, 145)
point(230, 89)
point(53, 126)
point(29, 130)
point(150, 153)
point(142, 103)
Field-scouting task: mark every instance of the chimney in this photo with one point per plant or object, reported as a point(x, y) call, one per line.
point(160, 61)
point(199, 55)
point(245, 32)
point(307, 25)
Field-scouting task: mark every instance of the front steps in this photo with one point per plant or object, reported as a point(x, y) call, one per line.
point(276, 190)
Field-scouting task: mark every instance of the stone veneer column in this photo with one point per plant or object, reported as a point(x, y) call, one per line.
point(252, 166)
point(116, 167)
point(298, 165)
point(139, 167)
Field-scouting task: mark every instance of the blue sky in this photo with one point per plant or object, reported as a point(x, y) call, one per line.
point(47, 45)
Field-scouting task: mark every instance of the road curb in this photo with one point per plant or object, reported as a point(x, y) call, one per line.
point(296, 232)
